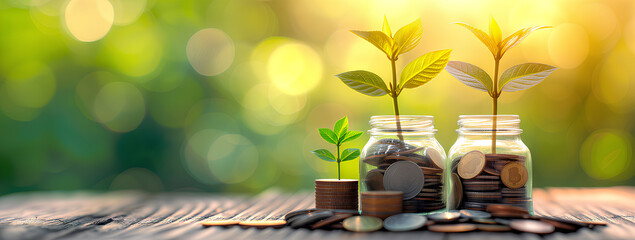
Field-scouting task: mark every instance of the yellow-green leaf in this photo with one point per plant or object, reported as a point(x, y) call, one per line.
point(325, 155)
point(364, 82)
point(470, 75)
point(386, 28)
point(494, 30)
point(524, 76)
point(486, 39)
point(379, 39)
point(350, 154)
point(424, 69)
point(407, 38)
point(340, 128)
point(515, 38)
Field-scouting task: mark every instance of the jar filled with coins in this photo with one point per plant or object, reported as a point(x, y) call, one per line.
point(406, 158)
point(478, 176)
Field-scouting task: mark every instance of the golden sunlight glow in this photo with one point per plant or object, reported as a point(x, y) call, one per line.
point(89, 20)
point(568, 45)
point(119, 106)
point(294, 68)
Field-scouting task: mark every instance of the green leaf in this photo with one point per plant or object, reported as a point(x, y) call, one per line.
point(470, 75)
point(407, 38)
point(486, 39)
point(350, 154)
point(350, 136)
point(328, 135)
point(524, 76)
point(494, 30)
point(386, 28)
point(515, 38)
point(379, 39)
point(324, 155)
point(340, 128)
point(364, 82)
point(424, 69)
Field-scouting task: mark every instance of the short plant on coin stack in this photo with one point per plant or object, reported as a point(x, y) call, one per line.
point(337, 193)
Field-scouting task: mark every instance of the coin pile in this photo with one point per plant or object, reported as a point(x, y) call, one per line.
point(415, 171)
point(381, 204)
point(498, 218)
point(318, 218)
point(336, 194)
point(480, 180)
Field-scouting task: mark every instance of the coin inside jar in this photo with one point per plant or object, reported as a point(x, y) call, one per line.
point(404, 176)
point(435, 156)
point(471, 164)
point(514, 175)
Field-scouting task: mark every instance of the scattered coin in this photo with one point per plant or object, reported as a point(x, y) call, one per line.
point(493, 228)
point(471, 164)
point(220, 223)
point(484, 220)
point(452, 228)
point(532, 226)
point(560, 225)
point(328, 221)
point(264, 223)
point(475, 214)
point(362, 224)
point(404, 222)
point(514, 175)
point(375, 180)
point(404, 176)
point(450, 216)
point(310, 218)
point(299, 212)
point(502, 207)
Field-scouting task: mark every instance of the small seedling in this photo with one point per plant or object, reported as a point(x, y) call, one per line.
point(516, 78)
point(416, 73)
point(338, 136)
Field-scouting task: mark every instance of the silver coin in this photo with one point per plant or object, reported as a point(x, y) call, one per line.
point(475, 214)
point(404, 176)
point(362, 224)
point(404, 222)
point(450, 216)
point(532, 226)
point(310, 218)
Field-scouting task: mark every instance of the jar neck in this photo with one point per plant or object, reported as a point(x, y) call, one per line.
point(483, 125)
point(411, 125)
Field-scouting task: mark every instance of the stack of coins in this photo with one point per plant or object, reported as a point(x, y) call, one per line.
point(336, 194)
point(381, 204)
point(415, 171)
point(480, 180)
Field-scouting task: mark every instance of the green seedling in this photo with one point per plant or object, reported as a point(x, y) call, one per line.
point(338, 136)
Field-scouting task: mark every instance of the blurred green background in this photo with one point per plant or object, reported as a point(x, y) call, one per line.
point(227, 95)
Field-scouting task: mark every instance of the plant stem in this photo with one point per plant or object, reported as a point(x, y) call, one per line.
point(394, 99)
point(495, 104)
point(338, 162)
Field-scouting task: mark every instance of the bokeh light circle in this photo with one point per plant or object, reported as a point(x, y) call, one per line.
point(31, 85)
point(568, 45)
point(119, 106)
point(294, 68)
point(127, 11)
point(89, 20)
point(606, 154)
point(210, 51)
point(232, 158)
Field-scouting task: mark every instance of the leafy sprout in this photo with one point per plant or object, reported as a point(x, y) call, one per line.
point(415, 74)
point(516, 78)
point(338, 136)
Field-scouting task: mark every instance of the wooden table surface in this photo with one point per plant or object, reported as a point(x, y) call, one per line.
point(135, 215)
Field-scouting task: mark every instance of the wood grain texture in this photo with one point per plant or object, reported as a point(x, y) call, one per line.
point(135, 215)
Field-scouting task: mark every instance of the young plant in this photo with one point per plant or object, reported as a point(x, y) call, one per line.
point(338, 136)
point(516, 78)
point(416, 73)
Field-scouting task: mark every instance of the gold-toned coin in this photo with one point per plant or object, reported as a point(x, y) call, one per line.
point(220, 222)
point(514, 175)
point(435, 156)
point(471, 164)
point(452, 228)
point(457, 193)
point(362, 224)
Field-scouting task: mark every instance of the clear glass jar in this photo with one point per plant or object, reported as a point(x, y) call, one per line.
point(479, 176)
point(411, 162)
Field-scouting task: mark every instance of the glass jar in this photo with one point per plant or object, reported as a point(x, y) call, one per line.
point(410, 161)
point(478, 175)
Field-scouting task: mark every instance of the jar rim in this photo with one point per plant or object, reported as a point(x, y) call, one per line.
point(483, 124)
point(410, 124)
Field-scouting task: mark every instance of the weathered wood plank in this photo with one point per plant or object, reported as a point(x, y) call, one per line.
point(134, 215)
